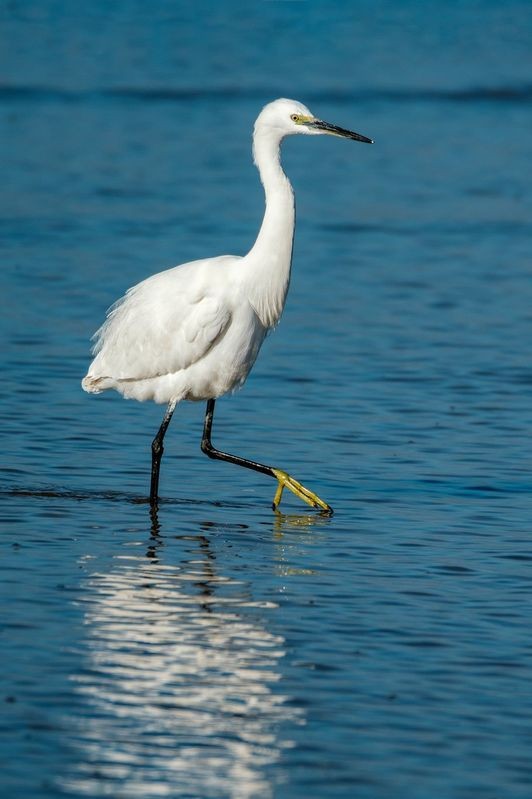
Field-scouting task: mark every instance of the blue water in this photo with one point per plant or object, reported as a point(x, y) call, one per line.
point(220, 650)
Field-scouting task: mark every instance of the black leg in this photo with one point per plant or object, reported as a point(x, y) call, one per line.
point(208, 449)
point(157, 450)
point(284, 479)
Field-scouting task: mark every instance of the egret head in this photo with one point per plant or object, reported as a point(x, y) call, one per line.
point(288, 117)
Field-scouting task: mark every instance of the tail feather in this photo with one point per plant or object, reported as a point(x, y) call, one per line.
point(95, 385)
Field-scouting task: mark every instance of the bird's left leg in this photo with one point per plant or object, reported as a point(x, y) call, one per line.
point(157, 450)
point(283, 478)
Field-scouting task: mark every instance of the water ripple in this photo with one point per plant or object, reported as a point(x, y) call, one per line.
point(499, 94)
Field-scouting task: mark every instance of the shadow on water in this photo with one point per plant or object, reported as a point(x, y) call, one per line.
point(281, 521)
point(108, 496)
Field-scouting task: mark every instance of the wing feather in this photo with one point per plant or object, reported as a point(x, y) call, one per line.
point(163, 325)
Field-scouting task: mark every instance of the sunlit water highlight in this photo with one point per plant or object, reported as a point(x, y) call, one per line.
point(176, 682)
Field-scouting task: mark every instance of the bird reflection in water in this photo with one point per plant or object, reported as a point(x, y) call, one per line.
point(179, 681)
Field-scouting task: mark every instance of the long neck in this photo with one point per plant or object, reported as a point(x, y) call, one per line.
point(270, 258)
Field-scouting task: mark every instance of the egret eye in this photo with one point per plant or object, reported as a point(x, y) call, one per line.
point(294, 117)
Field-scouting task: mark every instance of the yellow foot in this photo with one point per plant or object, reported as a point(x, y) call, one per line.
point(299, 490)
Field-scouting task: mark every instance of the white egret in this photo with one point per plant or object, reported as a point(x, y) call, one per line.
point(193, 332)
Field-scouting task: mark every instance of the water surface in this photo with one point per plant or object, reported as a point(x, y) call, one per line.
point(219, 649)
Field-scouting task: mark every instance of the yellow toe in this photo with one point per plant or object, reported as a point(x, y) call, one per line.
point(286, 480)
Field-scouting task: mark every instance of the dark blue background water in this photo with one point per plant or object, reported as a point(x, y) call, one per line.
point(223, 651)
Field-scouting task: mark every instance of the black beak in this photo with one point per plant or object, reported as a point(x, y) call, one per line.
point(334, 130)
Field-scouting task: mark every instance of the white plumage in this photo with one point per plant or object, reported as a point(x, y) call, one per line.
point(193, 332)
point(187, 333)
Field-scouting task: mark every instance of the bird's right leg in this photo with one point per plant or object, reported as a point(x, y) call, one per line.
point(284, 480)
point(157, 450)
